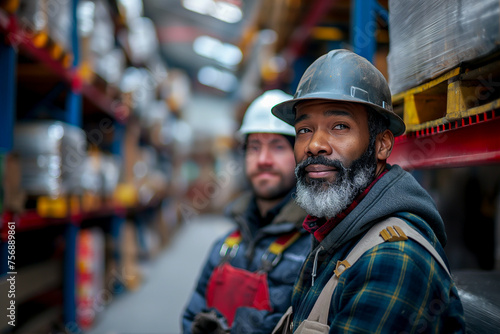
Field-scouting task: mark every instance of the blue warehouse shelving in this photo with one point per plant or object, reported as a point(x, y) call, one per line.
point(25, 55)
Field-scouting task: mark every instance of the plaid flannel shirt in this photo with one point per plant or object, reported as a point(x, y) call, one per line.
point(396, 287)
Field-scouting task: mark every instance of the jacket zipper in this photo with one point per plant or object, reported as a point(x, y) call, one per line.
point(315, 264)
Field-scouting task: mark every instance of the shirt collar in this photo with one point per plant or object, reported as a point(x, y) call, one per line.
point(271, 214)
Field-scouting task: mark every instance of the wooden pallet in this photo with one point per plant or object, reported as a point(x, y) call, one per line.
point(467, 90)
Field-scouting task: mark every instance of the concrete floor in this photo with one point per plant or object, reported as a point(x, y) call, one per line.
point(156, 307)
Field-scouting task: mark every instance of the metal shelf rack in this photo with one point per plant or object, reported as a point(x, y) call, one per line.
point(16, 41)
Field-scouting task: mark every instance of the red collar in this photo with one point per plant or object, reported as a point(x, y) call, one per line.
point(320, 227)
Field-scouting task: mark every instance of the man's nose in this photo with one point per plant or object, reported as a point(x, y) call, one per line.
point(265, 156)
point(319, 144)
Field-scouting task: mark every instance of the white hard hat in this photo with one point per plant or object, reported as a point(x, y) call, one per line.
point(259, 119)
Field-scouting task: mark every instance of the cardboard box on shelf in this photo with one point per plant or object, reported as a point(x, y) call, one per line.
point(131, 273)
point(14, 196)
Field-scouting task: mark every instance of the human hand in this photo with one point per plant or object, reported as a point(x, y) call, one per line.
point(208, 323)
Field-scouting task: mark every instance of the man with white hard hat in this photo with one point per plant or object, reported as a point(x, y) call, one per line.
point(247, 281)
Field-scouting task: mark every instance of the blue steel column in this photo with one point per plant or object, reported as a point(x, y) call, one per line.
point(74, 117)
point(8, 65)
point(117, 222)
point(74, 99)
point(364, 26)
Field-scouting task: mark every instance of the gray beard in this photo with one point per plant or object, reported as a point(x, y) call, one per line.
point(321, 198)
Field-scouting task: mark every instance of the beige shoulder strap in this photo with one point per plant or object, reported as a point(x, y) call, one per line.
point(391, 229)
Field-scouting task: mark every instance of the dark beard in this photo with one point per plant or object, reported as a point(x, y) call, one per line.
point(273, 194)
point(322, 198)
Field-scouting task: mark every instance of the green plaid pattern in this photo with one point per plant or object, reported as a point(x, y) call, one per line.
point(396, 287)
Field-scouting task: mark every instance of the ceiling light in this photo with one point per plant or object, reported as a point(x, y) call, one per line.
point(206, 46)
point(221, 10)
point(226, 54)
point(198, 6)
point(227, 12)
point(213, 77)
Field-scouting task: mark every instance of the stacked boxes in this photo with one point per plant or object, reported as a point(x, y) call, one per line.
point(51, 155)
point(98, 52)
point(428, 37)
point(48, 24)
point(91, 295)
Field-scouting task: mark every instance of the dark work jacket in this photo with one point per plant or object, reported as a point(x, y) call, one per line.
point(255, 241)
point(395, 287)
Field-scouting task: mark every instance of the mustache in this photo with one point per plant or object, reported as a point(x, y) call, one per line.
point(265, 170)
point(300, 169)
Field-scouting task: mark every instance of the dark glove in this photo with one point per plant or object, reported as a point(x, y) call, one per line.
point(208, 323)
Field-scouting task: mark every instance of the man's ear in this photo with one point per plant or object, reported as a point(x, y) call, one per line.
point(384, 144)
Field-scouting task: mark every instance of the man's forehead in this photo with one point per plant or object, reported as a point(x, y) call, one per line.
point(324, 103)
point(328, 108)
point(265, 137)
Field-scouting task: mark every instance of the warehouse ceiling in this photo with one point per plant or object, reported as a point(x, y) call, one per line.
point(199, 34)
point(237, 45)
point(179, 27)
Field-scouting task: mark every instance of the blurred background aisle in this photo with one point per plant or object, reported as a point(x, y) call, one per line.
point(156, 306)
point(117, 121)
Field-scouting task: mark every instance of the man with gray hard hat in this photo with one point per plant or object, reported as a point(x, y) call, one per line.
point(247, 281)
point(377, 264)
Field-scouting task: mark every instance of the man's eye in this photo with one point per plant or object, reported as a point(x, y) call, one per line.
point(279, 147)
point(340, 127)
point(303, 131)
point(253, 148)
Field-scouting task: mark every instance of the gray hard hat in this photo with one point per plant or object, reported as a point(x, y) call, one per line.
point(342, 75)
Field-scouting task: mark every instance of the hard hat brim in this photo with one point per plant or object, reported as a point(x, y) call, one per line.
point(286, 111)
point(240, 135)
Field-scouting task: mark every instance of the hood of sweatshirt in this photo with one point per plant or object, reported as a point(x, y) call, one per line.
point(289, 217)
point(396, 192)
